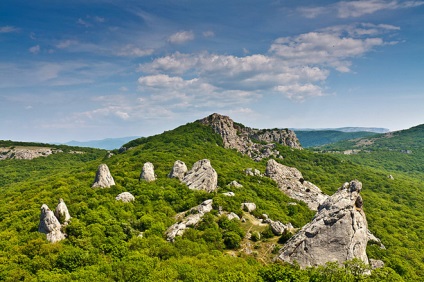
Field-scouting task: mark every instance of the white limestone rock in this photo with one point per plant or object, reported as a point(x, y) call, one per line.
point(232, 216)
point(103, 177)
point(179, 170)
point(202, 176)
point(148, 172)
point(50, 225)
point(235, 184)
point(61, 212)
point(125, 197)
point(249, 207)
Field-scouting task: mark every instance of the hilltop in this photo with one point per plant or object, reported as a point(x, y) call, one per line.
point(110, 240)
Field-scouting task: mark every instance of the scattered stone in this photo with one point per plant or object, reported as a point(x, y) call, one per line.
point(125, 197)
point(50, 225)
point(229, 194)
point(376, 263)
point(292, 183)
point(109, 155)
point(252, 172)
point(179, 170)
point(338, 232)
point(61, 212)
point(277, 227)
point(249, 207)
point(202, 176)
point(103, 177)
point(292, 204)
point(194, 217)
point(391, 177)
point(148, 172)
point(232, 216)
point(235, 184)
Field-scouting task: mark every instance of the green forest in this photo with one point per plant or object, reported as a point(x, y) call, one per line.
point(108, 240)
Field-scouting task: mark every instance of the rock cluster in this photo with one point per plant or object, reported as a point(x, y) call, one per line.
point(194, 216)
point(179, 170)
point(202, 176)
point(236, 136)
point(252, 172)
point(125, 197)
point(338, 231)
point(103, 177)
point(291, 182)
point(148, 172)
point(50, 224)
point(235, 184)
point(25, 153)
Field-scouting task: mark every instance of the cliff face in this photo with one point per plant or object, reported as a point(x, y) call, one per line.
point(250, 141)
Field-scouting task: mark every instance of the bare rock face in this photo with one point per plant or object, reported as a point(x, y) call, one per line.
point(291, 182)
point(61, 212)
point(179, 170)
point(50, 225)
point(148, 172)
point(239, 137)
point(202, 176)
point(125, 197)
point(338, 231)
point(194, 216)
point(103, 177)
point(25, 153)
point(277, 227)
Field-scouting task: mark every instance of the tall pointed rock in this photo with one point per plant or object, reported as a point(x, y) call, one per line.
point(103, 177)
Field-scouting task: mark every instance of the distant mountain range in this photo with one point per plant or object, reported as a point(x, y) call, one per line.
point(107, 144)
point(346, 129)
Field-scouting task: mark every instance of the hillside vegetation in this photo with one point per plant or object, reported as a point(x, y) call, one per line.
point(315, 138)
point(113, 241)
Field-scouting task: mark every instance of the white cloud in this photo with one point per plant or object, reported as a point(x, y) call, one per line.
point(208, 34)
point(34, 49)
point(8, 29)
point(132, 51)
point(99, 19)
point(83, 22)
point(66, 43)
point(181, 37)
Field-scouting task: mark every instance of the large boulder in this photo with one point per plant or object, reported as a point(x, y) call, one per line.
point(103, 177)
point(338, 231)
point(61, 212)
point(194, 216)
point(148, 172)
point(125, 197)
point(291, 182)
point(50, 225)
point(179, 170)
point(202, 176)
point(249, 207)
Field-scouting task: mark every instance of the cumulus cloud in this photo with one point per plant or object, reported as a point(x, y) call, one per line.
point(66, 43)
point(34, 49)
point(8, 29)
point(354, 9)
point(181, 37)
point(208, 33)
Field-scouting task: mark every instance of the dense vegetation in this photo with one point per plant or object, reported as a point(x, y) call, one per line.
point(315, 138)
point(104, 242)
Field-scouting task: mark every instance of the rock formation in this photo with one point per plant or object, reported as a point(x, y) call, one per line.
point(179, 170)
point(202, 176)
point(148, 172)
point(61, 212)
point(249, 207)
point(252, 172)
point(239, 137)
point(291, 182)
point(103, 177)
point(235, 184)
point(50, 225)
point(277, 227)
point(232, 216)
point(338, 231)
point(194, 217)
point(25, 153)
point(229, 194)
point(125, 197)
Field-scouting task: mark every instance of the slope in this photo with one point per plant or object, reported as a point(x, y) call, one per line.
point(315, 138)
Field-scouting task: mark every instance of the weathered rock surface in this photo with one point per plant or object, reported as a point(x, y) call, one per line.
point(372, 238)
point(25, 153)
point(50, 225)
point(252, 172)
point(179, 170)
point(148, 172)
point(194, 217)
point(291, 182)
point(277, 227)
point(232, 216)
point(125, 197)
point(239, 137)
point(61, 212)
point(202, 176)
point(103, 177)
point(249, 207)
point(338, 231)
point(235, 184)
point(376, 263)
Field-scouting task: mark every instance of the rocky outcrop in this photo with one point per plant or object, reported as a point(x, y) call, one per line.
point(103, 177)
point(277, 227)
point(202, 176)
point(50, 225)
point(125, 197)
point(249, 207)
point(246, 140)
point(292, 183)
point(148, 172)
point(194, 216)
point(25, 153)
point(61, 212)
point(338, 231)
point(179, 170)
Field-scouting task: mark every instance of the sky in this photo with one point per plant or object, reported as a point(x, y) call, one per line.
point(88, 70)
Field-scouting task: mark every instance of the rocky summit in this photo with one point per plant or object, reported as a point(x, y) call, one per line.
point(245, 139)
point(292, 183)
point(338, 232)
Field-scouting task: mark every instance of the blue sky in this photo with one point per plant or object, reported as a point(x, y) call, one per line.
point(84, 70)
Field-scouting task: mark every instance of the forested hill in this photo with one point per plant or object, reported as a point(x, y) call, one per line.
point(108, 240)
point(315, 138)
